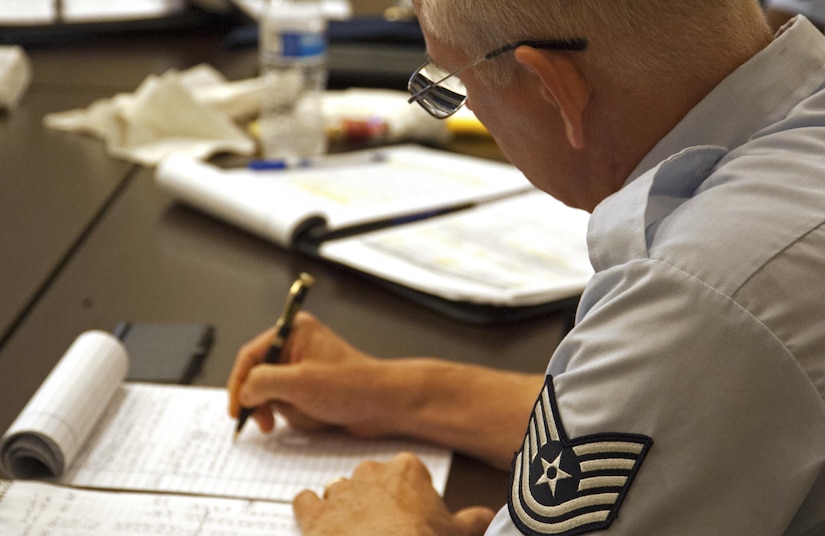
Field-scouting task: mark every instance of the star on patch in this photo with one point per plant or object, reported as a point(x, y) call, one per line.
point(564, 487)
point(557, 473)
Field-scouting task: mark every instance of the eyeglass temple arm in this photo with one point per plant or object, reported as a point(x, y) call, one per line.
point(574, 44)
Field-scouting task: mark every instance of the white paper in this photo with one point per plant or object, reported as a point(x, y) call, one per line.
point(333, 9)
point(98, 432)
point(25, 12)
point(117, 10)
point(406, 180)
point(38, 508)
point(15, 75)
point(59, 417)
point(179, 440)
point(522, 250)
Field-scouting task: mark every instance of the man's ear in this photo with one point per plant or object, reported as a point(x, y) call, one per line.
point(563, 85)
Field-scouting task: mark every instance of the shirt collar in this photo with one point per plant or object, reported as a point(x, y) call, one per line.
point(760, 92)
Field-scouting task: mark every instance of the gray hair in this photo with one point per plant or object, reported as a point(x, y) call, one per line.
point(640, 38)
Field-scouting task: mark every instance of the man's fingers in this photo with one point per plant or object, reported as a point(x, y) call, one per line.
point(248, 356)
point(306, 506)
point(269, 387)
point(299, 420)
point(412, 467)
point(264, 417)
point(269, 383)
point(474, 520)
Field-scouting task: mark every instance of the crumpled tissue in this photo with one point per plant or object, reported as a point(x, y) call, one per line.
point(188, 112)
point(198, 113)
point(15, 75)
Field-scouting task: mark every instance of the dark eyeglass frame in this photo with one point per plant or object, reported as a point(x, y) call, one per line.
point(447, 101)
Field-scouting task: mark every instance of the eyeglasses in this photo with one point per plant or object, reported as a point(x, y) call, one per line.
point(442, 93)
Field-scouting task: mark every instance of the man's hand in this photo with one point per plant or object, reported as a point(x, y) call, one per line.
point(392, 498)
point(321, 381)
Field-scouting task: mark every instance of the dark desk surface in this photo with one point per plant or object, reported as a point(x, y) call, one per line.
point(88, 242)
point(52, 184)
point(51, 188)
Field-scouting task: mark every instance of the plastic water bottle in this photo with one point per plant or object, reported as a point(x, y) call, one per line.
point(293, 61)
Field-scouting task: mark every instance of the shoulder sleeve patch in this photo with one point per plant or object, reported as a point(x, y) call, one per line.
point(565, 486)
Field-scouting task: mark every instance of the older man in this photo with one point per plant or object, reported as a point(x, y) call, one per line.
point(688, 399)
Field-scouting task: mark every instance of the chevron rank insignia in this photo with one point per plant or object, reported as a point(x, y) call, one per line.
point(567, 486)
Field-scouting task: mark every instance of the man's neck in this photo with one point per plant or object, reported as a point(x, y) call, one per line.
point(633, 116)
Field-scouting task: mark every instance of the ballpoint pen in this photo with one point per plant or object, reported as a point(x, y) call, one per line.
point(328, 161)
point(297, 293)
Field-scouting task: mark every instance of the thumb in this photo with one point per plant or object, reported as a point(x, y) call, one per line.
point(474, 521)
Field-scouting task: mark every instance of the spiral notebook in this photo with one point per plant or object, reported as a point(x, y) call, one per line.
point(467, 236)
point(86, 429)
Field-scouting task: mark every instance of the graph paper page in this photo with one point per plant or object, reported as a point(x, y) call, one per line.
point(28, 507)
point(56, 422)
point(178, 439)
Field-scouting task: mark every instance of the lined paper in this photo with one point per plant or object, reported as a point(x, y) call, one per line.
point(39, 508)
point(161, 457)
point(178, 439)
point(93, 430)
point(55, 423)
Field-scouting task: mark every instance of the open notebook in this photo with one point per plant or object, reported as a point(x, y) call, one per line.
point(85, 428)
point(31, 507)
point(340, 194)
point(443, 228)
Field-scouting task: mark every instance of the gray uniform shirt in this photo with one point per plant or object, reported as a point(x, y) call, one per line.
point(813, 9)
point(688, 399)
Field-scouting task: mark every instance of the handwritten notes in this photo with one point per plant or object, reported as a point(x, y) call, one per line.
point(179, 440)
point(161, 457)
point(90, 429)
point(45, 509)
